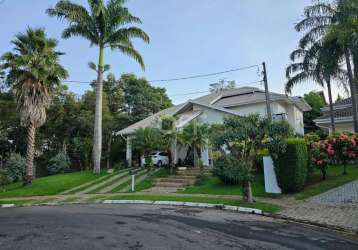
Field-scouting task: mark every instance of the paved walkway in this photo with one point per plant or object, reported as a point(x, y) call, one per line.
point(346, 194)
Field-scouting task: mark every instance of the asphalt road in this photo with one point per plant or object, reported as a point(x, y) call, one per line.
point(152, 227)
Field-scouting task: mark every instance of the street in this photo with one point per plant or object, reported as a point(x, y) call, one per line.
point(154, 227)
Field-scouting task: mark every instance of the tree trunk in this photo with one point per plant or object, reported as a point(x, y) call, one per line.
point(324, 173)
point(109, 148)
point(97, 137)
point(330, 99)
point(31, 133)
point(344, 169)
point(247, 192)
point(353, 89)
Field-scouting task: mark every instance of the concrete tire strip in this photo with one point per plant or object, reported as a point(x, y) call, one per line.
point(103, 183)
point(109, 188)
point(137, 181)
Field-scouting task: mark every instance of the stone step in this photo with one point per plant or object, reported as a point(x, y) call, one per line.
point(190, 177)
point(171, 184)
point(176, 180)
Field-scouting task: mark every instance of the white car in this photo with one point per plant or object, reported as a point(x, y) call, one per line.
point(159, 158)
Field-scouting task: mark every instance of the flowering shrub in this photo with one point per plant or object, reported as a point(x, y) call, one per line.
point(343, 148)
point(321, 153)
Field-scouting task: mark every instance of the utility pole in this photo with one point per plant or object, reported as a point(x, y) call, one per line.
point(267, 93)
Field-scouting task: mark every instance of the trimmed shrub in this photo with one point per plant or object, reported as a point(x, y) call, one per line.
point(291, 166)
point(231, 171)
point(15, 167)
point(58, 164)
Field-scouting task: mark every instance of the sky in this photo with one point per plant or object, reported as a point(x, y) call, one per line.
point(187, 38)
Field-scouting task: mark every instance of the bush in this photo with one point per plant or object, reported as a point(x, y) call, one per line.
point(291, 166)
point(58, 164)
point(15, 167)
point(311, 139)
point(119, 166)
point(231, 171)
point(4, 179)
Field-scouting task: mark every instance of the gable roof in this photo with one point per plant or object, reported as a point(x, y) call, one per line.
point(220, 101)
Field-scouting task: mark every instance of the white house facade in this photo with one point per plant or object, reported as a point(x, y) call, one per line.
point(214, 107)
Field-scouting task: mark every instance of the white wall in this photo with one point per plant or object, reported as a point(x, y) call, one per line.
point(294, 115)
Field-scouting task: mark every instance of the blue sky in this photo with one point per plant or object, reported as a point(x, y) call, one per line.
point(187, 38)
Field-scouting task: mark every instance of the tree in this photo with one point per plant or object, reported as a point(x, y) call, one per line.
point(141, 99)
point(317, 62)
point(195, 135)
point(222, 85)
point(316, 101)
point(238, 143)
point(146, 140)
point(335, 22)
point(33, 71)
point(104, 25)
point(169, 134)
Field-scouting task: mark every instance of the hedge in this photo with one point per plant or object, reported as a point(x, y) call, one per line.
point(291, 166)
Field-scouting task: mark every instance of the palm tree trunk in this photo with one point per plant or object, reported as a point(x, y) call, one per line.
point(97, 137)
point(331, 111)
point(109, 148)
point(353, 89)
point(31, 133)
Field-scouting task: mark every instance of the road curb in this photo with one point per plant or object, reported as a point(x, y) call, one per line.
point(189, 204)
point(314, 224)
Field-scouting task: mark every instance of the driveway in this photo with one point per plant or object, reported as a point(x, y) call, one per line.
point(155, 227)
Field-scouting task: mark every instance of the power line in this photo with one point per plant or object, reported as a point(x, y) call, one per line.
point(187, 77)
point(207, 91)
point(206, 75)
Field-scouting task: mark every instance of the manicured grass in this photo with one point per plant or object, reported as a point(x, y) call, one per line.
point(213, 185)
point(129, 181)
point(335, 178)
point(49, 185)
point(268, 208)
point(150, 180)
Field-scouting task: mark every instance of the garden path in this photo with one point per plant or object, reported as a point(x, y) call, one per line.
point(346, 194)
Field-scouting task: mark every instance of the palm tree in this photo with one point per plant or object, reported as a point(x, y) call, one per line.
point(33, 71)
point(318, 21)
point(104, 25)
point(318, 63)
point(169, 138)
point(195, 135)
point(145, 141)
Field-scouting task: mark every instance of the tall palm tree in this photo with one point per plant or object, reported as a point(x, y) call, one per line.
point(105, 25)
point(318, 63)
point(33, 71)
point(318, 21)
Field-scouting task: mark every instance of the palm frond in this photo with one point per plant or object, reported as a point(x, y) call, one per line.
point(131, 52)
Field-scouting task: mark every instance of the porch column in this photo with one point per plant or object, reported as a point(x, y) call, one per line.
point(129, 151)
point(205, 154)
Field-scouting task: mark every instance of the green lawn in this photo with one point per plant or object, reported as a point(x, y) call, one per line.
point(268, 208)
point(213, 185)
point(49, 185)
point(335, 178)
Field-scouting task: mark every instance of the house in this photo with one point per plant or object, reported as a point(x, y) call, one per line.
point(343, 116)
point(212, 109)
